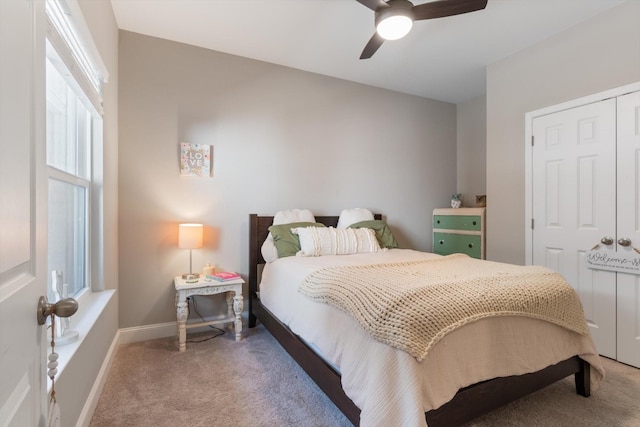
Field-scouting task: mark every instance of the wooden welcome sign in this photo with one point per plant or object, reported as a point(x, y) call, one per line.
point(626, 260)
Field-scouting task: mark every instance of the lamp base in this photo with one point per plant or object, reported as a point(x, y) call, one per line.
point(191, 277)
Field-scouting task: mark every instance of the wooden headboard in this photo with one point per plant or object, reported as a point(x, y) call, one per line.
point(258, 232)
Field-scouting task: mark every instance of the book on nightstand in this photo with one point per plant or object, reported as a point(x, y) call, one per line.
point(223, 276)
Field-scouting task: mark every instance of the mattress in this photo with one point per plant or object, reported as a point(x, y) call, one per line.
point(392, 388)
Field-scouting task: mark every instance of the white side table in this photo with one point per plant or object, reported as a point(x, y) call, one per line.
point(206, 287)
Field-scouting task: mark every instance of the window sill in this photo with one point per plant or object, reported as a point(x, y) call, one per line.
point(90, 307)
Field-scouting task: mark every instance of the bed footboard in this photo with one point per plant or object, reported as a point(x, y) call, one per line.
point(481, 398)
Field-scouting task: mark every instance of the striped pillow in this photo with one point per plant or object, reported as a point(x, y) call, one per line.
point(315, 241)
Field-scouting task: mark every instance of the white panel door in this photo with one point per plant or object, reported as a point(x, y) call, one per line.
point(23, 201)
point(574, 206)
point(629, 225)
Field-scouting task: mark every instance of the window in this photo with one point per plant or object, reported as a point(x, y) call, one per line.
point(74, 77)
point(70, 122)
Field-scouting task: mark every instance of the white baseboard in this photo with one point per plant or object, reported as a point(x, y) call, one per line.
point(157, 331)
point(94, 395)
point(148, 332)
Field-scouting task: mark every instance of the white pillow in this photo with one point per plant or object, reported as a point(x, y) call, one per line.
point(351, 216)
point(317, 241)
point(294, 215)
point(268, 249)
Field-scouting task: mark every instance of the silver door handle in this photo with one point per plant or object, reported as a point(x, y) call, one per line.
point(607, 240)
point(63, 308)
point(624, 241)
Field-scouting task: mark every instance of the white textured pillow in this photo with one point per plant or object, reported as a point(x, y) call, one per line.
point(268, 248)
point(351, 216)
point(317, 241)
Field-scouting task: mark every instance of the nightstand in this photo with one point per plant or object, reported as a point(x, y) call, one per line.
point(459, 230)
point(208, 287)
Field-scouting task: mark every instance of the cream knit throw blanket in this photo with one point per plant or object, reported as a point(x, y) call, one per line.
point(412, 305)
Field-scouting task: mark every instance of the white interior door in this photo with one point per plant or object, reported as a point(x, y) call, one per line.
point(574, 205)
point(629, 225)
point(22, 249)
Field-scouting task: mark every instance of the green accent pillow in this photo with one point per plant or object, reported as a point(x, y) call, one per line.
point(383, 232)
point(287, 243)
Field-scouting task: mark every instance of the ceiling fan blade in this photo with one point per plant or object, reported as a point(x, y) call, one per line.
point(442, 8)
point(374, 43)
point(373, 4)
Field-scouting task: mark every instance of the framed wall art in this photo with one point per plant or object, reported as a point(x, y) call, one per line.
point(195, 159)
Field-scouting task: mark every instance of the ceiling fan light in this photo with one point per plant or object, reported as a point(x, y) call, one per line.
point(394, 27)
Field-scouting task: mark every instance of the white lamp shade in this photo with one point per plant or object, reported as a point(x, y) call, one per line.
point(190, 236)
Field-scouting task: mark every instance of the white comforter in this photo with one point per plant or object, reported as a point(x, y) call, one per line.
point(388, 385)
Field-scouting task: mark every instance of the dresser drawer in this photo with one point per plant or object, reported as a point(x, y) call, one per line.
point(457, 222)
point(448, 243)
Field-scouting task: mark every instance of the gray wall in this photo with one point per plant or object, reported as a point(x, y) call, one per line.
point(77, 379)
point(597, 55)
point(281, 138)
point(472, 149)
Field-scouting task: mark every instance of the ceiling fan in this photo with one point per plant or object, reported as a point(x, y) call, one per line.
point(394, 18)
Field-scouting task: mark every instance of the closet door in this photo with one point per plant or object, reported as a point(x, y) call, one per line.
point(629, 225)
point(574, 206)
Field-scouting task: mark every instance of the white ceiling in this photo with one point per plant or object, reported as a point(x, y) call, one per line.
point(443, 59)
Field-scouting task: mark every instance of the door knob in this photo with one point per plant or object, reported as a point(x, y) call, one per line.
point(624, 241)
point(607, 240)
point(63, 308)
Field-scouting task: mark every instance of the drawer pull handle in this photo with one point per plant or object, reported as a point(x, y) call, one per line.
point(442, 242)
point(474, 223)
point(438, 221)
point(470, 245)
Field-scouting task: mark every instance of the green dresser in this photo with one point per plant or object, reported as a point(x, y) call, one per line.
point(459, 231)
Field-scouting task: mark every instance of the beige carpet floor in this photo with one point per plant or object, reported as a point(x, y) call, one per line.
point(255, 383)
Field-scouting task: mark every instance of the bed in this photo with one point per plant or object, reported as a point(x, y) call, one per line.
point(466, 403)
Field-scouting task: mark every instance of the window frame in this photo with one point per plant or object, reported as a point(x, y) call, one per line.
point(83, 165)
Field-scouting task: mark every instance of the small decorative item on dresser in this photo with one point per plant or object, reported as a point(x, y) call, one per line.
point(456, 200)
point(481, 201)
point(208, 269)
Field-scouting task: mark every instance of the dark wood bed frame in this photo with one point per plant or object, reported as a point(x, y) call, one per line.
point(467, 404)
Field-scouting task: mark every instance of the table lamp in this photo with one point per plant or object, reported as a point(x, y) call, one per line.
point(190, 237)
